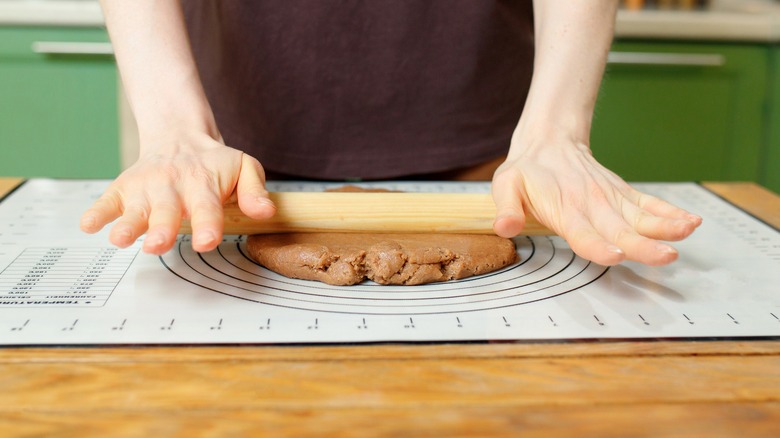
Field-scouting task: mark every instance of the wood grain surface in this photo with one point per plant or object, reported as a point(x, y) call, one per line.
point(8, 184)
point(603, 389)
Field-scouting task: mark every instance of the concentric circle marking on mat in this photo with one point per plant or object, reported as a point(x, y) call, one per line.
point(547, 268)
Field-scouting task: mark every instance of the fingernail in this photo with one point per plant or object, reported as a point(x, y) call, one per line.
point(126, 233)
point(263, 200)
point(666, 249)
point(684, 223)
point(156, 239)
point(615, 250)
point(694, 218)
point(205, 238)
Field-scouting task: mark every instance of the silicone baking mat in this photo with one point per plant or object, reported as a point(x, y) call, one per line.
point(59, 286)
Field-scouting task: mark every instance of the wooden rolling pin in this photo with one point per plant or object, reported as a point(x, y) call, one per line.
point(346, 212)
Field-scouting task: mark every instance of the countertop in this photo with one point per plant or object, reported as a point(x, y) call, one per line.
point(735, 26)
point(760, 22)
point(620, 388)
point(51, 13)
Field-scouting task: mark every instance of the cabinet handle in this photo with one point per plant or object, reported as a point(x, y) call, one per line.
point(670, 59)
point(72, 48)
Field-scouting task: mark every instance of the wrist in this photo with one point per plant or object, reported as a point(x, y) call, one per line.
point(178, 136)
point(170, 125)
point(167, 114)
point(556, 129)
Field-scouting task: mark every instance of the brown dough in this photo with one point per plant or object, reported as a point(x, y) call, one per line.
point(409, 259)
point(356, 189)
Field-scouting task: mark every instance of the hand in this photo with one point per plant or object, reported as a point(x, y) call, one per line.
point(601, 217)
point(187, 178)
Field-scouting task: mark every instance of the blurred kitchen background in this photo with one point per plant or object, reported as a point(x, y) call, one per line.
point(691, 93)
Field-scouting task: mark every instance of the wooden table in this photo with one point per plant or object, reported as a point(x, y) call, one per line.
point(636, 389)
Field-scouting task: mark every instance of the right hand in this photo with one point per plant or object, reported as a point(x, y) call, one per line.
point(190, 177)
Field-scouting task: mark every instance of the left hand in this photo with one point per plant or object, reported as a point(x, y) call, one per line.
point(601, 216)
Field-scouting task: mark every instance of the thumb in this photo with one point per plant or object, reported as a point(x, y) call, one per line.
point(507, 195)
point(252, 196)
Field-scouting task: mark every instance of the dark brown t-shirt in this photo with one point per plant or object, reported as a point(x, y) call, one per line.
point(364, 89)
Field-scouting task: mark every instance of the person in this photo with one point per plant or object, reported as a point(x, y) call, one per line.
point(371, 89)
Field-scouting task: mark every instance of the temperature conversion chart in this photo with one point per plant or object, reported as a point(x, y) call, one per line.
point(59, 286)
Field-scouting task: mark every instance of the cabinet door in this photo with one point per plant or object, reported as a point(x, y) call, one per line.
point(58, 104)
point(771, 161)
point(672, 112)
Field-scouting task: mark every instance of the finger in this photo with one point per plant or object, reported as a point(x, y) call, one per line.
point(131, 225)
point(589, 244)
point(659, 207)
point(104, 211)
point(648, 251)
point(252, 195)
point(206, 219)
point(637, 248)
point(510, 216)
point(164, 222)
point(655, 227)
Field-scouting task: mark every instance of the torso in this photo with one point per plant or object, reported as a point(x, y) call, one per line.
point(358, 89)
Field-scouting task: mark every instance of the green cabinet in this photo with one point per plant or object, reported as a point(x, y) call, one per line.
point(771, 162)
point(58, 103)
point(684, 112)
